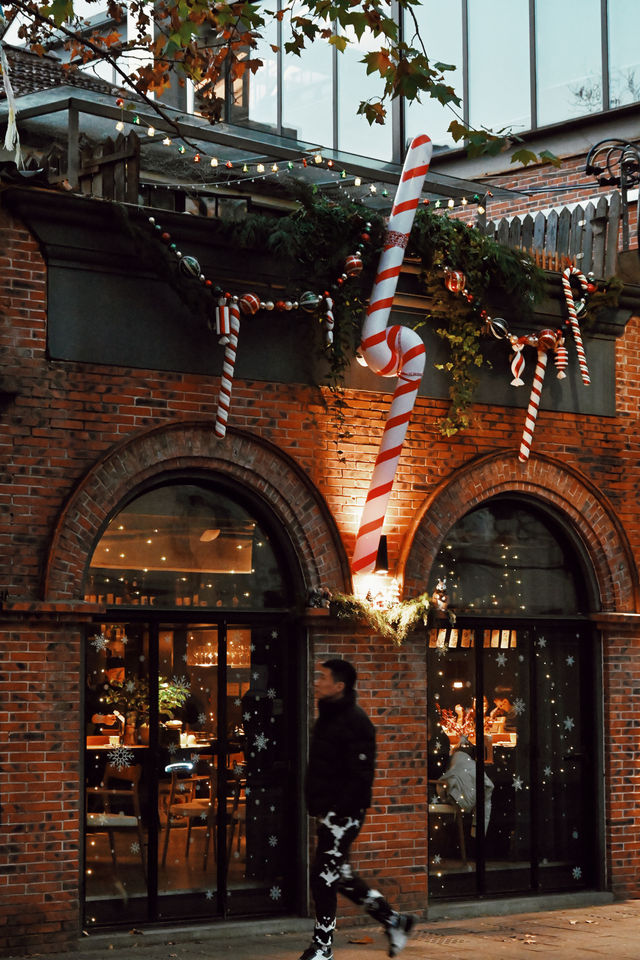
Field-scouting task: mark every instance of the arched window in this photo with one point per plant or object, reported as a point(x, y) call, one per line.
point(186, 544)
point(508, 557)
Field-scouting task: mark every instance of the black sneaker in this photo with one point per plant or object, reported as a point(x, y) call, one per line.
point(399, 932)
point(316, 952)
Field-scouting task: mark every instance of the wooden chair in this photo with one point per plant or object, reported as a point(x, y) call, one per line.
point(120, 789)
point(186, 808)
point(444, 806)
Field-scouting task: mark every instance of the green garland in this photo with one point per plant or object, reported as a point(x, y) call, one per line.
point(316, 239)
point(394, 622)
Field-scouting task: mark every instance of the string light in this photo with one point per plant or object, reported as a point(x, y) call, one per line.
point(167, 141)
point(120, 125)
point(214, 161)
point(151, 131)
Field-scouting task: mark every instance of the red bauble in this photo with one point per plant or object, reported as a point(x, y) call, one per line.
point(454, 280)
point(280, 305)
point(353, 265)
point(165, 236)
point(547, 339)
point(592, 287)
point(249, 303)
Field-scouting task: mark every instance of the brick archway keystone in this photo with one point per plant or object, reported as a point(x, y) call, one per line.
point(569, 493)
point(251, 462)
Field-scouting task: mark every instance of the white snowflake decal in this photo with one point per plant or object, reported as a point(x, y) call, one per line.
point(181, 681)
point(260, 742)
point(576, 873)
point(275, 893)
point(517, 783)
point(209, 894)
point(100, 642)
point(247, 791)
point(184, 657)
point(120, 757)
point(570, 661)
point(437, 859)
point(246, 717)
point(202, 718)
point(255, 675)
point(547, 771)
point(130, 686)
point(252, 647)
point(237, 702)
point(135, 847)
point(172, 748)
point(271, 693)
point(575, 834)
point(273, 841)
point(501, 659)
point(519, 706)
point(274, 634)
point(542, 642)
point(569, 723)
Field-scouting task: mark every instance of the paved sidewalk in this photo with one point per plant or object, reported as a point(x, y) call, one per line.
point(607, 930)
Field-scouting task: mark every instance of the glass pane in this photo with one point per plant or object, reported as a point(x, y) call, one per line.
point(451, 733)
point(185, 545)
point(507, 664)
point(568, 72)
point(355, 133)
point(307, 95)
point(624, 55)
point(254, 101)
point(499, 87)
point(118, 813)
point(565, 812)
point(505, 558)
point(441, 28)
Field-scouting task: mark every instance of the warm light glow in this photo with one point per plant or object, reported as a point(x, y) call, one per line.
point(379, 589)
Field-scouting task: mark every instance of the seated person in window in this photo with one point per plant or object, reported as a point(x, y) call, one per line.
point(458, 783)
point(502, 699)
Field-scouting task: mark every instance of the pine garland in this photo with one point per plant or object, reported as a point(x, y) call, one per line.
point(394, 622)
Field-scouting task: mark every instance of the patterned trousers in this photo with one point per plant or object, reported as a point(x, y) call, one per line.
point(331, 874)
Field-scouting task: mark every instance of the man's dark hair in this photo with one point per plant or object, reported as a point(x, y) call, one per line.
point(342, 671)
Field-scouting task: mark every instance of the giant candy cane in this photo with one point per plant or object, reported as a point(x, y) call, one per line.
point(547, 340)
point(392, 351)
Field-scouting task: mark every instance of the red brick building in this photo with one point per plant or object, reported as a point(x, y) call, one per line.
point(158, 584)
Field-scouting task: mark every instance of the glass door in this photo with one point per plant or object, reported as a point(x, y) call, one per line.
point(513, 733)
point(190, 781)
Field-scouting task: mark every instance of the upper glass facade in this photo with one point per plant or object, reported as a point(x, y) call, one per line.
point(519, 64)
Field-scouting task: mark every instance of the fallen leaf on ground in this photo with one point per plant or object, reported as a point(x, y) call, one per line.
point(361, 940)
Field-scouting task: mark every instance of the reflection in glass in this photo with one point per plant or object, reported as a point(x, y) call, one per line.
point(355, 133)
point(307, 88)
point(499, 87)
point(254, 96)
point(503, 557)
point(624, 56)
point(441, 26)
point(185, 545)
point(568, 75)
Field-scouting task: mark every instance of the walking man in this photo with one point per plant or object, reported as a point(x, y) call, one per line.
point(338, 784)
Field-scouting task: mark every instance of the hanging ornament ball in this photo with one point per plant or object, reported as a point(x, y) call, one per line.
point(249, 303)
point(547, 339)
point(280, 305)
point(353, 265)
point(190, 267)
point(454, 280)
point(499, 328)
point(591, 287)
point(165, 236)
point(309, 301)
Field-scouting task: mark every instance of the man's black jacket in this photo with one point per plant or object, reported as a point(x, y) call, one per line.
point(342, 757)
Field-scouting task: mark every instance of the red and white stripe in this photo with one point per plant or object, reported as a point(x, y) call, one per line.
point(561, 358)
point(517, 364)
point(392, 351)
point(573, 317)
point(534, 403)
point(329, 320)
point(228, 366)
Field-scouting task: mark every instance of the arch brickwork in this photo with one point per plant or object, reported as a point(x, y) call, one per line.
point(251, 462)
point(584, 508)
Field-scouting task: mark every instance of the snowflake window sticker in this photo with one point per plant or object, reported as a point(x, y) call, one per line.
point(576, 873)
point(501, 659)
point(99, 641)
point(120, 757)
point(260, 742)
point(275, 893)
point(273, 841)
point(519, 706)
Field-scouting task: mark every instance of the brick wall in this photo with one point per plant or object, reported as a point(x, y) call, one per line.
point(65, 426)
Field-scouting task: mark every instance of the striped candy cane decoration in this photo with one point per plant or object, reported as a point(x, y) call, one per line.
point(224, 397)
point(573, 317)
point(561, 358)
point(392, 351)
point(329, 321)
point(534, 403)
